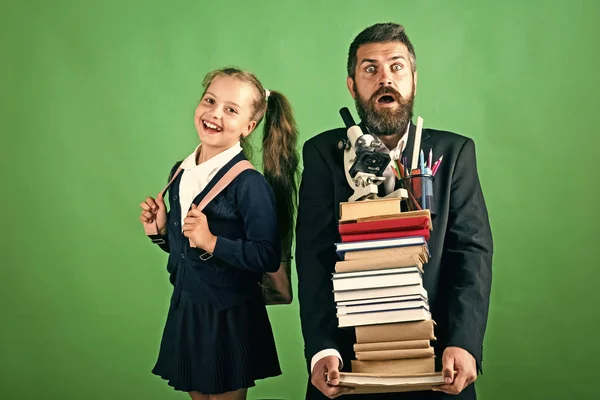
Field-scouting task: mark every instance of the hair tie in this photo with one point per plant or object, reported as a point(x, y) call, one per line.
point(267, 93)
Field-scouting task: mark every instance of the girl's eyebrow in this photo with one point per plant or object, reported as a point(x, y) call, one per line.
point(229, 102)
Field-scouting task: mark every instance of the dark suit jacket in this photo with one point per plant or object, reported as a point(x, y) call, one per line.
point(457, 276)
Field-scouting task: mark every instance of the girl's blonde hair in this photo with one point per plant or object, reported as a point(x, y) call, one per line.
point(280, 138)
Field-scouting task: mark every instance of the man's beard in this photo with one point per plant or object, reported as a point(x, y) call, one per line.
point(385, 121)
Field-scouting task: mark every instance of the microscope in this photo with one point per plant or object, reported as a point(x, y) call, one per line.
point(365, 160)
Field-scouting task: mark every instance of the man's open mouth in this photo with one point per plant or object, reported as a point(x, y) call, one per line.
point(386, 99)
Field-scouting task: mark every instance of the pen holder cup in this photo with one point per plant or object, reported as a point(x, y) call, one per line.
point(420, 191)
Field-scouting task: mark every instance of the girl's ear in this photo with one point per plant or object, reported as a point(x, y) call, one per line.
point(249, 128)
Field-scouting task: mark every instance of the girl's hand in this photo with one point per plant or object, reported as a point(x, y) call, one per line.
point(195, 227)
point(154, 210)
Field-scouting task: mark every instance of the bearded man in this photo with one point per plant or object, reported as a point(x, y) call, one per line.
point(382, 79)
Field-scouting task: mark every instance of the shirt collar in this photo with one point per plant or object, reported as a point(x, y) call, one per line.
point(216, 162)
point(396, 152)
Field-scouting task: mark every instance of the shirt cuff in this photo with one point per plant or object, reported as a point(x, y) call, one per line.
point(324, 353)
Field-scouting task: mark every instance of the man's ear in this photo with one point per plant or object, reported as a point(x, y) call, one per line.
point(249, 128)
point(350, 83)
point(415, 79)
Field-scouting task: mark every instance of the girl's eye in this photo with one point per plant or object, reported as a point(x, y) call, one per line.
point(232, 110)
point(209, 100)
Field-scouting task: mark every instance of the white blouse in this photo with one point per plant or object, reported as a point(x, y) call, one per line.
point(195, 177)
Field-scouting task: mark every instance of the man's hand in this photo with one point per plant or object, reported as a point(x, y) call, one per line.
point(461, 361)
point(328, 366)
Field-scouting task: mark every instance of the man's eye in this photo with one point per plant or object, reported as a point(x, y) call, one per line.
point(397, 67)
point(370, 69)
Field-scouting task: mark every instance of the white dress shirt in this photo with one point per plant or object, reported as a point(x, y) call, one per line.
point(195, 177)
point(395, 154)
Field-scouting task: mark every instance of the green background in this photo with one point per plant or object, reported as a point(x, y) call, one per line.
point(96, 104)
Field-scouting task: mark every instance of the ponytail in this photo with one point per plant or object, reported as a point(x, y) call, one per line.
point(280, 163)
point(280, 157)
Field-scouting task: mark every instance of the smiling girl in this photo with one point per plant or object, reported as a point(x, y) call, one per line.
point(217, 340)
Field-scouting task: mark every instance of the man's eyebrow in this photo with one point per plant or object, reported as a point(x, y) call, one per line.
point(367, 60)
point(398, 58)
point(372, 60)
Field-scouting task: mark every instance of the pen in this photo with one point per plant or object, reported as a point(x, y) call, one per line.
point(430, 155)
point(437, 165)
point(423, 185)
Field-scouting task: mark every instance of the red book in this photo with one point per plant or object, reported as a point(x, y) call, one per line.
point(385, 225)
point(358, 237)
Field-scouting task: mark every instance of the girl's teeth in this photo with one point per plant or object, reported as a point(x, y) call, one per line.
point(211, 126)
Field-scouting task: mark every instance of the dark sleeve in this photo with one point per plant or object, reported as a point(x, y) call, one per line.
point(468, 253)
point(165, 246)
point(261, 250)
point(316, 233)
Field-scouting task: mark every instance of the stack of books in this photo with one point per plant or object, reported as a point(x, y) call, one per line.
point(378, 290)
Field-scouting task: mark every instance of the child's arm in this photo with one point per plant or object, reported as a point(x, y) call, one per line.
point(261, 251)
point(153, 212)
point(164, 236)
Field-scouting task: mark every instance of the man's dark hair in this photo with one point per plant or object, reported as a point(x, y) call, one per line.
point(380, 33)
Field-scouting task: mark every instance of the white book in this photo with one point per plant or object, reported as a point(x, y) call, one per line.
point(376, 293)
point(418, 296)
point(374, 272)
point(383, 317)
point(342, 248)
point(394, 305)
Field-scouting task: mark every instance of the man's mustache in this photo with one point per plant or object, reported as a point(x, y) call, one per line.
point(388, 90)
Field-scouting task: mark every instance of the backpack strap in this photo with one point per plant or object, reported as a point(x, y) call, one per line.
point(229, 176)
point(151, 228)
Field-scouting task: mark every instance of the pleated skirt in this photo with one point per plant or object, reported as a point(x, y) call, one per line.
point(213, 352)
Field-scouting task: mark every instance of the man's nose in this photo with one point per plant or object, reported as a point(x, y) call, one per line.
point(385, 79)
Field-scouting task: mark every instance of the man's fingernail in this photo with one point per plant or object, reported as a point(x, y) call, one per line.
point(448, 380)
